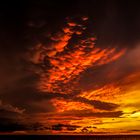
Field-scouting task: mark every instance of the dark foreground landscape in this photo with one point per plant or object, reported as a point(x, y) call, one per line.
point(69, 137)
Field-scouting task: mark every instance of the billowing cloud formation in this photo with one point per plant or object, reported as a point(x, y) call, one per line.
point(59, 64)
point(68, 54)
point(63, 72)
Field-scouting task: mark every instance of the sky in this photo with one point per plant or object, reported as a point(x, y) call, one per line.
point(70, 67)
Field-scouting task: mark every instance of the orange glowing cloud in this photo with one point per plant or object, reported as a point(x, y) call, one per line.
point(62, 105)
point(108, 92)
point(62, 62)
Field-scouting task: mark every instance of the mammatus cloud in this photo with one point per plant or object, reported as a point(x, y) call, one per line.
point(69, 75)
point(59, 63)
point(68, 53)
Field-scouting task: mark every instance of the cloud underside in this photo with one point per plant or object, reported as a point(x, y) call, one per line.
point(67, 55)
point(65, 79)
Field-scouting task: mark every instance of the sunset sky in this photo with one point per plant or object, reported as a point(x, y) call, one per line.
point(70, 67)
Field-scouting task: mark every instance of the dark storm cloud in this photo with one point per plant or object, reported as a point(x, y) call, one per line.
point(14, 119)
point(8, 125)
point(9, 114)
point(12, 125)
point(30, 99)
point(33, 101)
point(112, 22)
point(98, 104)
point(95, 103)
point(90, 113)
point(10, 118)
point(10, 108)
point(112, 72)
point(64, 118)
point(55, 127)
point(60, 127)
point(24, 24)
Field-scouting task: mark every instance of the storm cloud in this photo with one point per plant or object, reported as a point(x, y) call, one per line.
point(73, 61)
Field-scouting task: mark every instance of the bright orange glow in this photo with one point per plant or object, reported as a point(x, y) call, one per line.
point(71, 65)
point(105, 93)
point(62, 105)
point(107, 107)
point(67, 62)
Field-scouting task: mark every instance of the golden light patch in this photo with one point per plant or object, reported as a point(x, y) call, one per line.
point(106, 93)
point(62, 105)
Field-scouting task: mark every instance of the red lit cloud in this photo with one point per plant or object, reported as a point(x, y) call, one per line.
point(69, 74)
point(61, 62)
